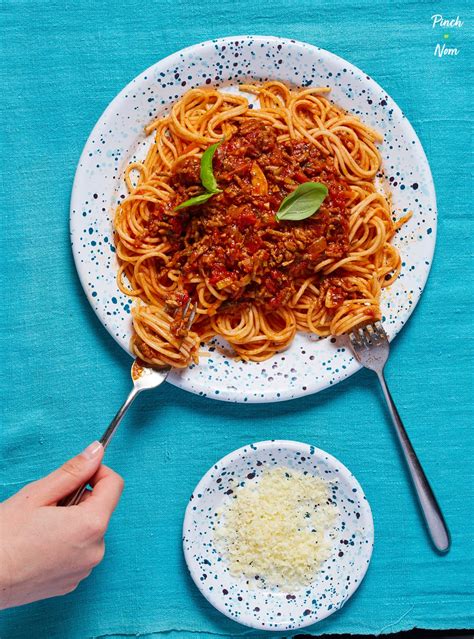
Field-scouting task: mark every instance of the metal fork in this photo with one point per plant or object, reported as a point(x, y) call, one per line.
point(371, 349)
point(144, 377)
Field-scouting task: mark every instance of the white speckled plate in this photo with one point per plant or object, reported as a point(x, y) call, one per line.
point(310, 364)
point(339, 576)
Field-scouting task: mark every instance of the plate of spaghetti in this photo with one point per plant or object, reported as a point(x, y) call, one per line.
point(275, 188)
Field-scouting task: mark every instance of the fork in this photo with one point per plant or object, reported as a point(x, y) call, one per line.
point(371, 349)
point(143, 377)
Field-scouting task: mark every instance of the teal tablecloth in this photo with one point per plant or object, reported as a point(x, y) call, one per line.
point(61, 63)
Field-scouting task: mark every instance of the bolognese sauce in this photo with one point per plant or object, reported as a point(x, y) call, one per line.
point(234, 239)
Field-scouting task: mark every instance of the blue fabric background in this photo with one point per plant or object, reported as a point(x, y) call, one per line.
point(61, 63)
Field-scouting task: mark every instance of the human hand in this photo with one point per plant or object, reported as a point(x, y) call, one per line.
point(47, 550)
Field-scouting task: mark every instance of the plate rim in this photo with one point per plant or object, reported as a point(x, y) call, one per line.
point(294, 445)
point(235, 395)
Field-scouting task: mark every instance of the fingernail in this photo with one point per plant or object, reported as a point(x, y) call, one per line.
point(92, 450)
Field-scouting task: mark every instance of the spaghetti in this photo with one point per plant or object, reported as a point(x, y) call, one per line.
point(255, 281)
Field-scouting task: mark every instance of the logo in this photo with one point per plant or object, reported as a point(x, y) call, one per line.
point(442, 24)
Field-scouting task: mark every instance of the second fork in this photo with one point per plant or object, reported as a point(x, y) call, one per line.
point(371, 349)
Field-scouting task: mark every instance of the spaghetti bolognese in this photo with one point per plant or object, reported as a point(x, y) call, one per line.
point(202, 225)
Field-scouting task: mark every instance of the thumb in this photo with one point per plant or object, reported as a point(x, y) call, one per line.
point(68, 477)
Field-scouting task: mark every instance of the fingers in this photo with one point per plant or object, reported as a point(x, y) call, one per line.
point(107, 486)
point(64, 480)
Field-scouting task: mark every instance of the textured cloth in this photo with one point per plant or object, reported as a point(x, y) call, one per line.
point(61, 63)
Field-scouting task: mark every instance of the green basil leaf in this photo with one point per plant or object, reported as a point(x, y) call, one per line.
point(303, 202)
point(207, 176)
point(194, 201)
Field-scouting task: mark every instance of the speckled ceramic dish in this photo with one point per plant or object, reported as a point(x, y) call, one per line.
point(310, 364)
point(339, 576)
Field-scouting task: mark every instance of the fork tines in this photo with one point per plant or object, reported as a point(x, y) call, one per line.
point(191, 316)
point(190, 307)
point(368, 335)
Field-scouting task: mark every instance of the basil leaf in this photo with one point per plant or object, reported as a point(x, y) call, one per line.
point(194, 201)
point(303, 202)
point(207, 176)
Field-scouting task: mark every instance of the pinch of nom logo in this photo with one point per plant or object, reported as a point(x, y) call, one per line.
point(442, 24)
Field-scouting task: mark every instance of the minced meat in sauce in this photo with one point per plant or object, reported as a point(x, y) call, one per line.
point(235, 240)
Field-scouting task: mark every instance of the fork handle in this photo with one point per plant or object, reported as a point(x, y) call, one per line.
point(75, 497)
point(437, 528)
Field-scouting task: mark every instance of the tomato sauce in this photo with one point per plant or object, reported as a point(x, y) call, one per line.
point(234, 240)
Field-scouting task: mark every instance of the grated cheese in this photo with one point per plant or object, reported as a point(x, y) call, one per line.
point(276, 532)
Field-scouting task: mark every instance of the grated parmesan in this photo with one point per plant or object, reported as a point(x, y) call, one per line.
point(276, 532)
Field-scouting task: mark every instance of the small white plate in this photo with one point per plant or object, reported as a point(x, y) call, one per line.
point(310, 364)
point(340, 574)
